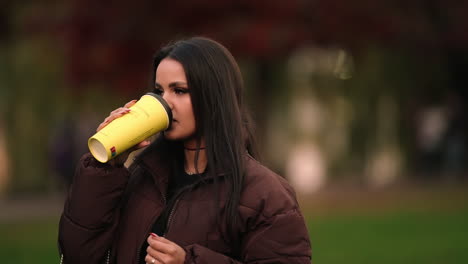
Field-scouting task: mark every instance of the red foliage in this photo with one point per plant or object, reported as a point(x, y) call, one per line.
point(112, 42)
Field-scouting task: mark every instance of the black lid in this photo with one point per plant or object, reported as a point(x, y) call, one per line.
point(165, 105)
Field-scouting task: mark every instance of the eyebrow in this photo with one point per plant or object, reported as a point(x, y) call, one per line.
point(172, 84)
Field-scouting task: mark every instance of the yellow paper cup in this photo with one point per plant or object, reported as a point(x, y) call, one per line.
point(150, 115)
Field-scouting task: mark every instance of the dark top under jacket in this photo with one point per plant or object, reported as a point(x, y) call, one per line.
point(177, 185)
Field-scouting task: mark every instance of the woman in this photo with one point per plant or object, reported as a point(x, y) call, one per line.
point(196, 194)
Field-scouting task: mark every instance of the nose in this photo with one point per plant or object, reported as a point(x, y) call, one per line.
point(168, 100)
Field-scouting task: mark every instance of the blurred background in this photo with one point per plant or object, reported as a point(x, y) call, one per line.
point(361, 105)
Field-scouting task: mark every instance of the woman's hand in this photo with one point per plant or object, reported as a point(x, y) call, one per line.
point(120, 159)
point(162, 250)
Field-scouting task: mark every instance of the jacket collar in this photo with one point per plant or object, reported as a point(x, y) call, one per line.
point(160, 165)
point(157, 164)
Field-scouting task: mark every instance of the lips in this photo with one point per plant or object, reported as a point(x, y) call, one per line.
point(173, 122)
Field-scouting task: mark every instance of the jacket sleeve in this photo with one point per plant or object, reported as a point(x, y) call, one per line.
point(91, 211)
point(197, 254)
point(281, 238)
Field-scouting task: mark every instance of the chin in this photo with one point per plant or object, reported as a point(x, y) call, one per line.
point(173, 136)
point(170, 135)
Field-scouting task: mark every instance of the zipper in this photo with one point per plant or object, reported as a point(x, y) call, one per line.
point(169, 219)
point(177, 195)
point(108, 257)
point(150, 172)
point(147, 232)
point(154, 217)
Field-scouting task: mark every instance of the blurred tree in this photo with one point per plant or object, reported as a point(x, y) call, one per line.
point(107, 44)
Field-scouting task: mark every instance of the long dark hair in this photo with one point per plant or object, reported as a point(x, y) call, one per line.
point(216, 90)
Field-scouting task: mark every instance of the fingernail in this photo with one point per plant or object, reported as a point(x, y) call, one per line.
point(153, 235)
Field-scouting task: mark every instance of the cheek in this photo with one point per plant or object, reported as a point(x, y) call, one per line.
point(189, 113)
point(191, 116)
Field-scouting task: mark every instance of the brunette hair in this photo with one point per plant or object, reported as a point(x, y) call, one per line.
point(216, 90)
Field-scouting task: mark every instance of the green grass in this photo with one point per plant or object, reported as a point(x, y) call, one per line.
point(29, 241)
point(387, 236)
point(397, 237)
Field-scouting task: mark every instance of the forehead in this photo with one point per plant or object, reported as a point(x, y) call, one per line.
point(170, 69)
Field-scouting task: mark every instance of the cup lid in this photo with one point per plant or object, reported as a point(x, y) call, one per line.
point(165, 105)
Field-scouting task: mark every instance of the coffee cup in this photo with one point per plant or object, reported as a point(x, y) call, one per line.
point(148, 116)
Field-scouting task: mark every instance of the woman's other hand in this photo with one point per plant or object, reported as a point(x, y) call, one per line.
point(162, 250)
point(121, 111)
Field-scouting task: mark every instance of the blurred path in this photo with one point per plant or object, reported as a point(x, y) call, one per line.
point(331, 200)
point(18, 208)
point(359, 200)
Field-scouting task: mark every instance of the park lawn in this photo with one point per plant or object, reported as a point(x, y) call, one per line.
point(392, 237)
point(29, 241)
point(403, 236)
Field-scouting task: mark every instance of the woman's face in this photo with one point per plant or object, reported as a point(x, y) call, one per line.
point(171, 84)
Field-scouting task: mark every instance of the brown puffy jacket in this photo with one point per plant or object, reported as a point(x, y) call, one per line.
point(271, 228)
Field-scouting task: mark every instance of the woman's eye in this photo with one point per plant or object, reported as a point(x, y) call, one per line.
point(180, 91)
point(158, 91)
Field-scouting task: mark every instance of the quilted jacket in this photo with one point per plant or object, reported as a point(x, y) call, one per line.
point(98, 225)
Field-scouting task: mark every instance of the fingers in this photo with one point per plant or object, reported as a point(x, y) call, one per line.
point(130, 104)
point(150, 260)
point(114, 115)
point(164, 250)
point(160, 244)
point(143, 144)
